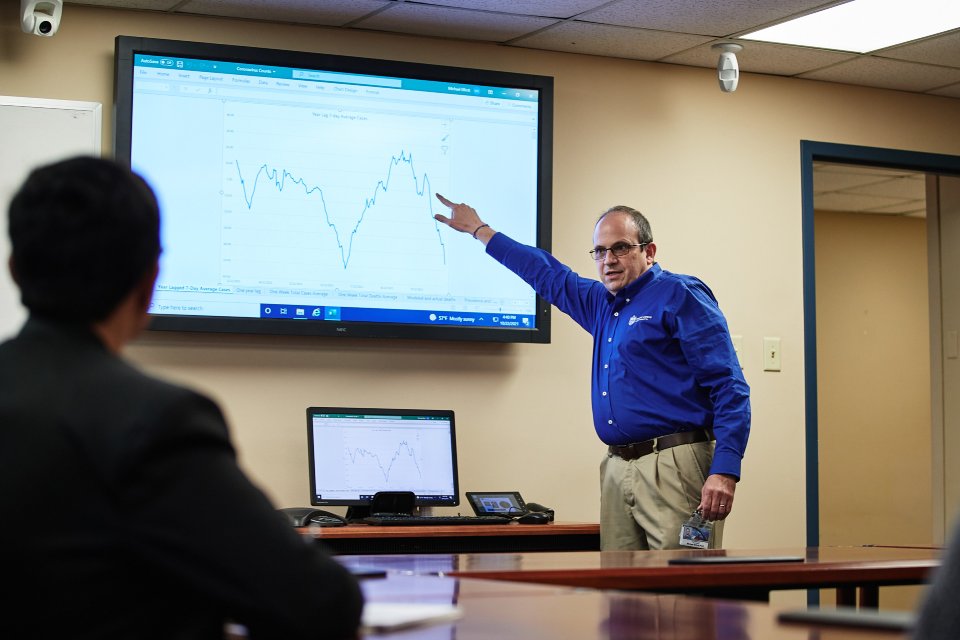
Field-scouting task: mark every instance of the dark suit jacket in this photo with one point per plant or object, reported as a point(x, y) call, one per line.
point(123, 513)
point(939, 615)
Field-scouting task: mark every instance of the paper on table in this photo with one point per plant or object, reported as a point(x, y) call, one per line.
point(392, 616)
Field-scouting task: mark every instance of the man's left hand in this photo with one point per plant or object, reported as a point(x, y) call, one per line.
point(716, 499)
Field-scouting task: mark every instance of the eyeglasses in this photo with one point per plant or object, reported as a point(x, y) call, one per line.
point(619, 250)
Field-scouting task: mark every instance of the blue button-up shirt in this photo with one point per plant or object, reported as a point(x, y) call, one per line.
point(663, 360)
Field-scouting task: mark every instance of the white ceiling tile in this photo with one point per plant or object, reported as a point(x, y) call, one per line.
point(887, 74)
point(698, 17)
point(762, 57)
point(546, 8)
point(864, 189)
point(840, 167)
point(943, 50)
point(912, 208)
point(826, 181)
point(444, 22)
point(328, 12)
point(619, 42)
point(951, 91)
point(675, 31)
point(908, 188)
point(836, 201)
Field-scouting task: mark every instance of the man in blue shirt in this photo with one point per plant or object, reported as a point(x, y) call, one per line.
point(669, 398)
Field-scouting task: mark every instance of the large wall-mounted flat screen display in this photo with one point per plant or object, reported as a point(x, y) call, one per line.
point(297, 190)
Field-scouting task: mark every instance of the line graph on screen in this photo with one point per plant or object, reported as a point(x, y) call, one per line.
point(404, 455)
point(379, 463)
point(338, 198)
point(281, 179)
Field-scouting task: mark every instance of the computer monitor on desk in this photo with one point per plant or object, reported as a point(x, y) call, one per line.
point(356, 452)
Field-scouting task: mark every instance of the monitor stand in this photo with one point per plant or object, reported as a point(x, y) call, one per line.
point(358, 513)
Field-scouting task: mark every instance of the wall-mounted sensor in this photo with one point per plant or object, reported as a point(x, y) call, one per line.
point(728, 70)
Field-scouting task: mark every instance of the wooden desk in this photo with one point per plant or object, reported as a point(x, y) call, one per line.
point(514, 537)
point(848, 569)
point(515, 611)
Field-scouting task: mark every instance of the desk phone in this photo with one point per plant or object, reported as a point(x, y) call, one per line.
point(509, 504)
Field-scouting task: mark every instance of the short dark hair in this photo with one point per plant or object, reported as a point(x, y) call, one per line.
point(83, 232)
point(644, 232)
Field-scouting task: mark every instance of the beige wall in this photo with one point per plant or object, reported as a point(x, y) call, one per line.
point(718, 174)
point(873, 382)
point(873, 379)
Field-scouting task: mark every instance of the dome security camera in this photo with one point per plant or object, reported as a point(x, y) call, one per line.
point(40, 17)
point(728, 70)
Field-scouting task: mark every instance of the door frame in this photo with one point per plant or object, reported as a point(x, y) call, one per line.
point(810, 152)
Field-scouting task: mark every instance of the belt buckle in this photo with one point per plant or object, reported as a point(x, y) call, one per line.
point(654, 443)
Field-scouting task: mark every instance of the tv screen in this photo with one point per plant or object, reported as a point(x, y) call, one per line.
point(297, 190)
point(354, 453)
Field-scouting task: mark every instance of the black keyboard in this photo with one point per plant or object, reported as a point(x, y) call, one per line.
point(433, 521)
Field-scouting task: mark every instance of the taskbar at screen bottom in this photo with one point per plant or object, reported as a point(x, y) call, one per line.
point(396, 316)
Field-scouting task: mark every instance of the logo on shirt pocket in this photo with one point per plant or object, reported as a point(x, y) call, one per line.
point(636, 319)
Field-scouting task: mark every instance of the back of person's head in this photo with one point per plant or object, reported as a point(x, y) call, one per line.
point(83, 232)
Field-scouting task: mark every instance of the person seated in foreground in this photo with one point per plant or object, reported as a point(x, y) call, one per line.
point(125, 513)
point(939, 616)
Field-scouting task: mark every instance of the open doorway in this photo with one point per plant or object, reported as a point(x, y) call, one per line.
point(873, 360)
point(875, 454)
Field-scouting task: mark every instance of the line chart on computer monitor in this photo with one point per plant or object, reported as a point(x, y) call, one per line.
point(391, 459)
point(348, 195)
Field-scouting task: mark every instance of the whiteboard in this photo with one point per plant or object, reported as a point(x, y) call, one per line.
point(36, 131)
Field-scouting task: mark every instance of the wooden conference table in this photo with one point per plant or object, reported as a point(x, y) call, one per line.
point(848, 569)
point(515, 611)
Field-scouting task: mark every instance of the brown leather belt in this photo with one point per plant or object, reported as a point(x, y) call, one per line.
point(636, 450)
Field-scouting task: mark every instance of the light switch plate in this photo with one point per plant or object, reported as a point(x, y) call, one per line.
point(771, 354)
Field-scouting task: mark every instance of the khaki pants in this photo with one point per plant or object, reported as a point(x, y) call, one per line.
point(644, 502)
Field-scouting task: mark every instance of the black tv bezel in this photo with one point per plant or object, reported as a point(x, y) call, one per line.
point(127, 46)
point(420, 502)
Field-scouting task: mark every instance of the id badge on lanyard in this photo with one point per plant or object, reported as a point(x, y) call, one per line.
point(695, 532)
